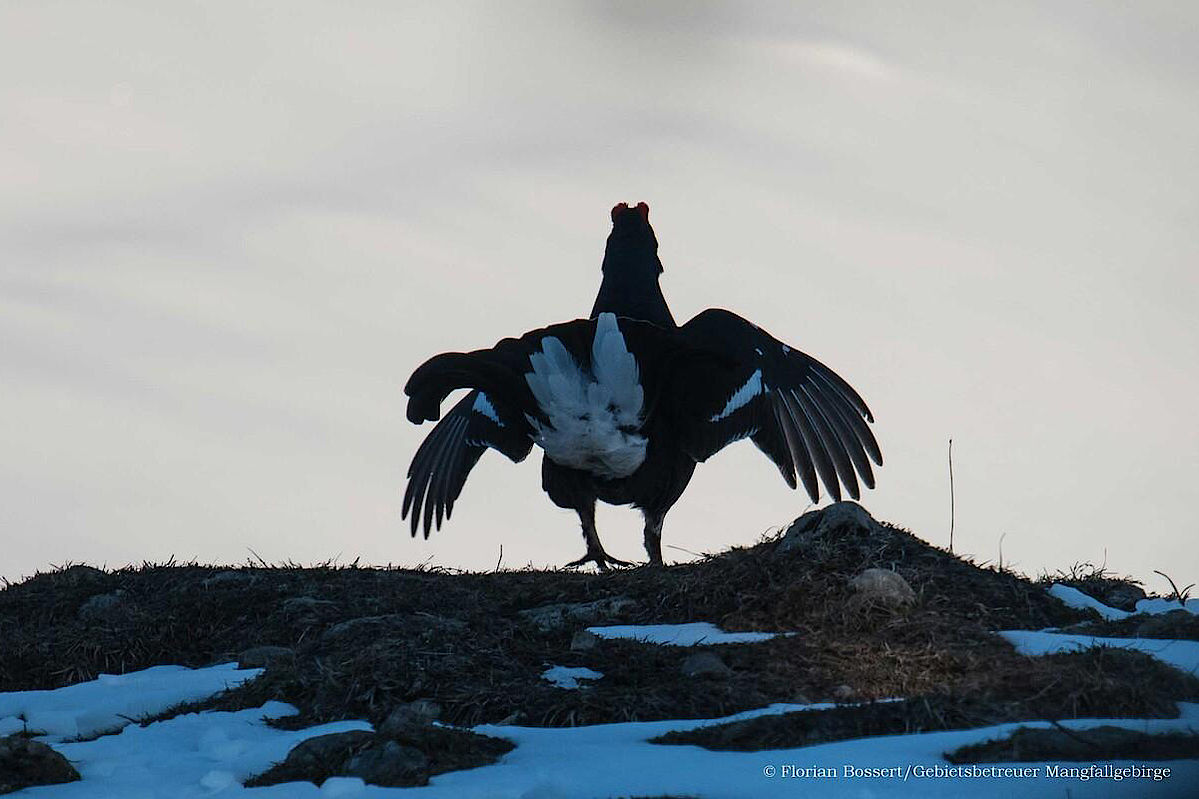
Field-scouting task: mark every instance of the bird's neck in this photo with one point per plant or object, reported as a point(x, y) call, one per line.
point(635, 296)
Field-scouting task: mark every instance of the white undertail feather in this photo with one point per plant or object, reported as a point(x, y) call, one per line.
point(594, 415)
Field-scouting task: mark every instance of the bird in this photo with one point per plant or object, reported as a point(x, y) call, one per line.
point(626, 403)
point(630, 288)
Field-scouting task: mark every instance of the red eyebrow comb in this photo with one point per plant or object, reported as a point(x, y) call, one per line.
point(621, 208)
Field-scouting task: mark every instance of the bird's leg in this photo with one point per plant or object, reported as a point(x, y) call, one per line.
point(653, 537)
point(595, 550)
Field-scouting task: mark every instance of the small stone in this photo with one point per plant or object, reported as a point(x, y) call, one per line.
point(25, 762)
point(390, 765)
point(262, 656)
point(843, 693)
point(404, 717)
point(880, 587)
point(584, 640)
point(705, 664)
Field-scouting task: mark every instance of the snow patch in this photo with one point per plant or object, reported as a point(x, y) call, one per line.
point(210, 754)
point(1182, 655)
point(113, 701)
point(568, 677)
point(1158, 605)
point(679, 634)
point(1074, 598)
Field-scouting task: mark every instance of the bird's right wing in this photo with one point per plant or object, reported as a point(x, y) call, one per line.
point(445, 458)
point(747, 384)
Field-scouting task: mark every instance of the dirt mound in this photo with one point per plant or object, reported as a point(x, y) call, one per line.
point(349, 642)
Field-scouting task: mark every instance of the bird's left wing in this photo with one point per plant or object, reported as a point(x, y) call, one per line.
point(800, 413)
point(444, 460)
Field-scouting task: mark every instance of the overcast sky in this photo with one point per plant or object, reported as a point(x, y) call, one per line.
point(229, 232)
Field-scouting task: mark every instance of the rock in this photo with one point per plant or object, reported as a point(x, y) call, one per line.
point(315, 759)
point(705, 664)
point(880, 588)
point(104, 608)
point(556, 616)
point(840, 518)
point(25, 762)
point(584, 640)
point(261, 656)
point(843, 693)
point(407, 760)
point(390, 764)
point(404, 717)
point(1123, 595)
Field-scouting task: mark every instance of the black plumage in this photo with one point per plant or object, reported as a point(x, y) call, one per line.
point(675, 396)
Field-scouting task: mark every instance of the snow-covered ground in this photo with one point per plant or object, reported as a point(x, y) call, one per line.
point(679, 634)
point(1182, 655)
point(209, 754)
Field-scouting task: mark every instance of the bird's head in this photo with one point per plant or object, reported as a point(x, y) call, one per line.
point(632, 245)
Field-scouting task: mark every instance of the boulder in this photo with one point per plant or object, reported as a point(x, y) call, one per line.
point(389, 764)
point(880, 588)
point(840, 519)
point(25, 762)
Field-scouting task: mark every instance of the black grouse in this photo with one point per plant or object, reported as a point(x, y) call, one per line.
point(626, 403)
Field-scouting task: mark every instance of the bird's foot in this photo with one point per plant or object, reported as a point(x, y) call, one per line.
point(600, 558)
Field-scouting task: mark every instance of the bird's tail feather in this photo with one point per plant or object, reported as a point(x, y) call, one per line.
point(440, 375)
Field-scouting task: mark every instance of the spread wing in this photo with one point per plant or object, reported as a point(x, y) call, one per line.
point(445, 458)
point(799, 412)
